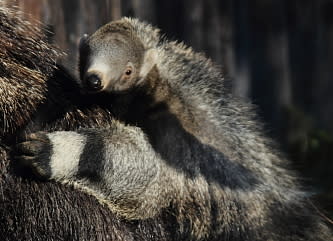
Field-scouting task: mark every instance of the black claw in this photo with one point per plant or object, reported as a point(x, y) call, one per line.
point(30, 148)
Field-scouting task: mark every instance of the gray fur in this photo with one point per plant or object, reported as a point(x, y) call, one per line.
point(183, 146)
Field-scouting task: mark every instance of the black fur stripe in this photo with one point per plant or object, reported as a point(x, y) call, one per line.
point(92, 158)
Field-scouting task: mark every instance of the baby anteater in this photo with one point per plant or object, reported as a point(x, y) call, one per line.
point(187, 147)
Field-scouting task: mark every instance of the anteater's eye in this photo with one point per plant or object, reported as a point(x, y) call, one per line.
point(128, 72)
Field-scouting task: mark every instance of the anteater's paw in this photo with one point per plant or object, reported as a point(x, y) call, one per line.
point(34, 151)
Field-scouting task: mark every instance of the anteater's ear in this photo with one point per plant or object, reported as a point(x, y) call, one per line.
point(83, 41)
point(149, 61)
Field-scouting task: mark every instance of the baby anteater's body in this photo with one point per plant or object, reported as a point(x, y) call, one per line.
point(183, 145)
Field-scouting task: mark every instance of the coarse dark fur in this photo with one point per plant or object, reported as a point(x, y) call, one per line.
point(189, 149)
point(32, 88)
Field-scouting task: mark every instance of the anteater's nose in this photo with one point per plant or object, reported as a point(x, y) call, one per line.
point(93, 82)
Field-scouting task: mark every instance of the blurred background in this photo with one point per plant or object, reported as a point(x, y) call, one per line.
point(279, 54)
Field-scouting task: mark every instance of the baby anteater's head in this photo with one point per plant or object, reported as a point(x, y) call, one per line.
point(113, 59)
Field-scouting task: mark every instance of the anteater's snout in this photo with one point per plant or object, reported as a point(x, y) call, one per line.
point(93, 82)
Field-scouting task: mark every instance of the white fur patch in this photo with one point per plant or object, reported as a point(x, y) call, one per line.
point(67, 148)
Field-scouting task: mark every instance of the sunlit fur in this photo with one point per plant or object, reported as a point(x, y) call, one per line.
point(25, 59)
